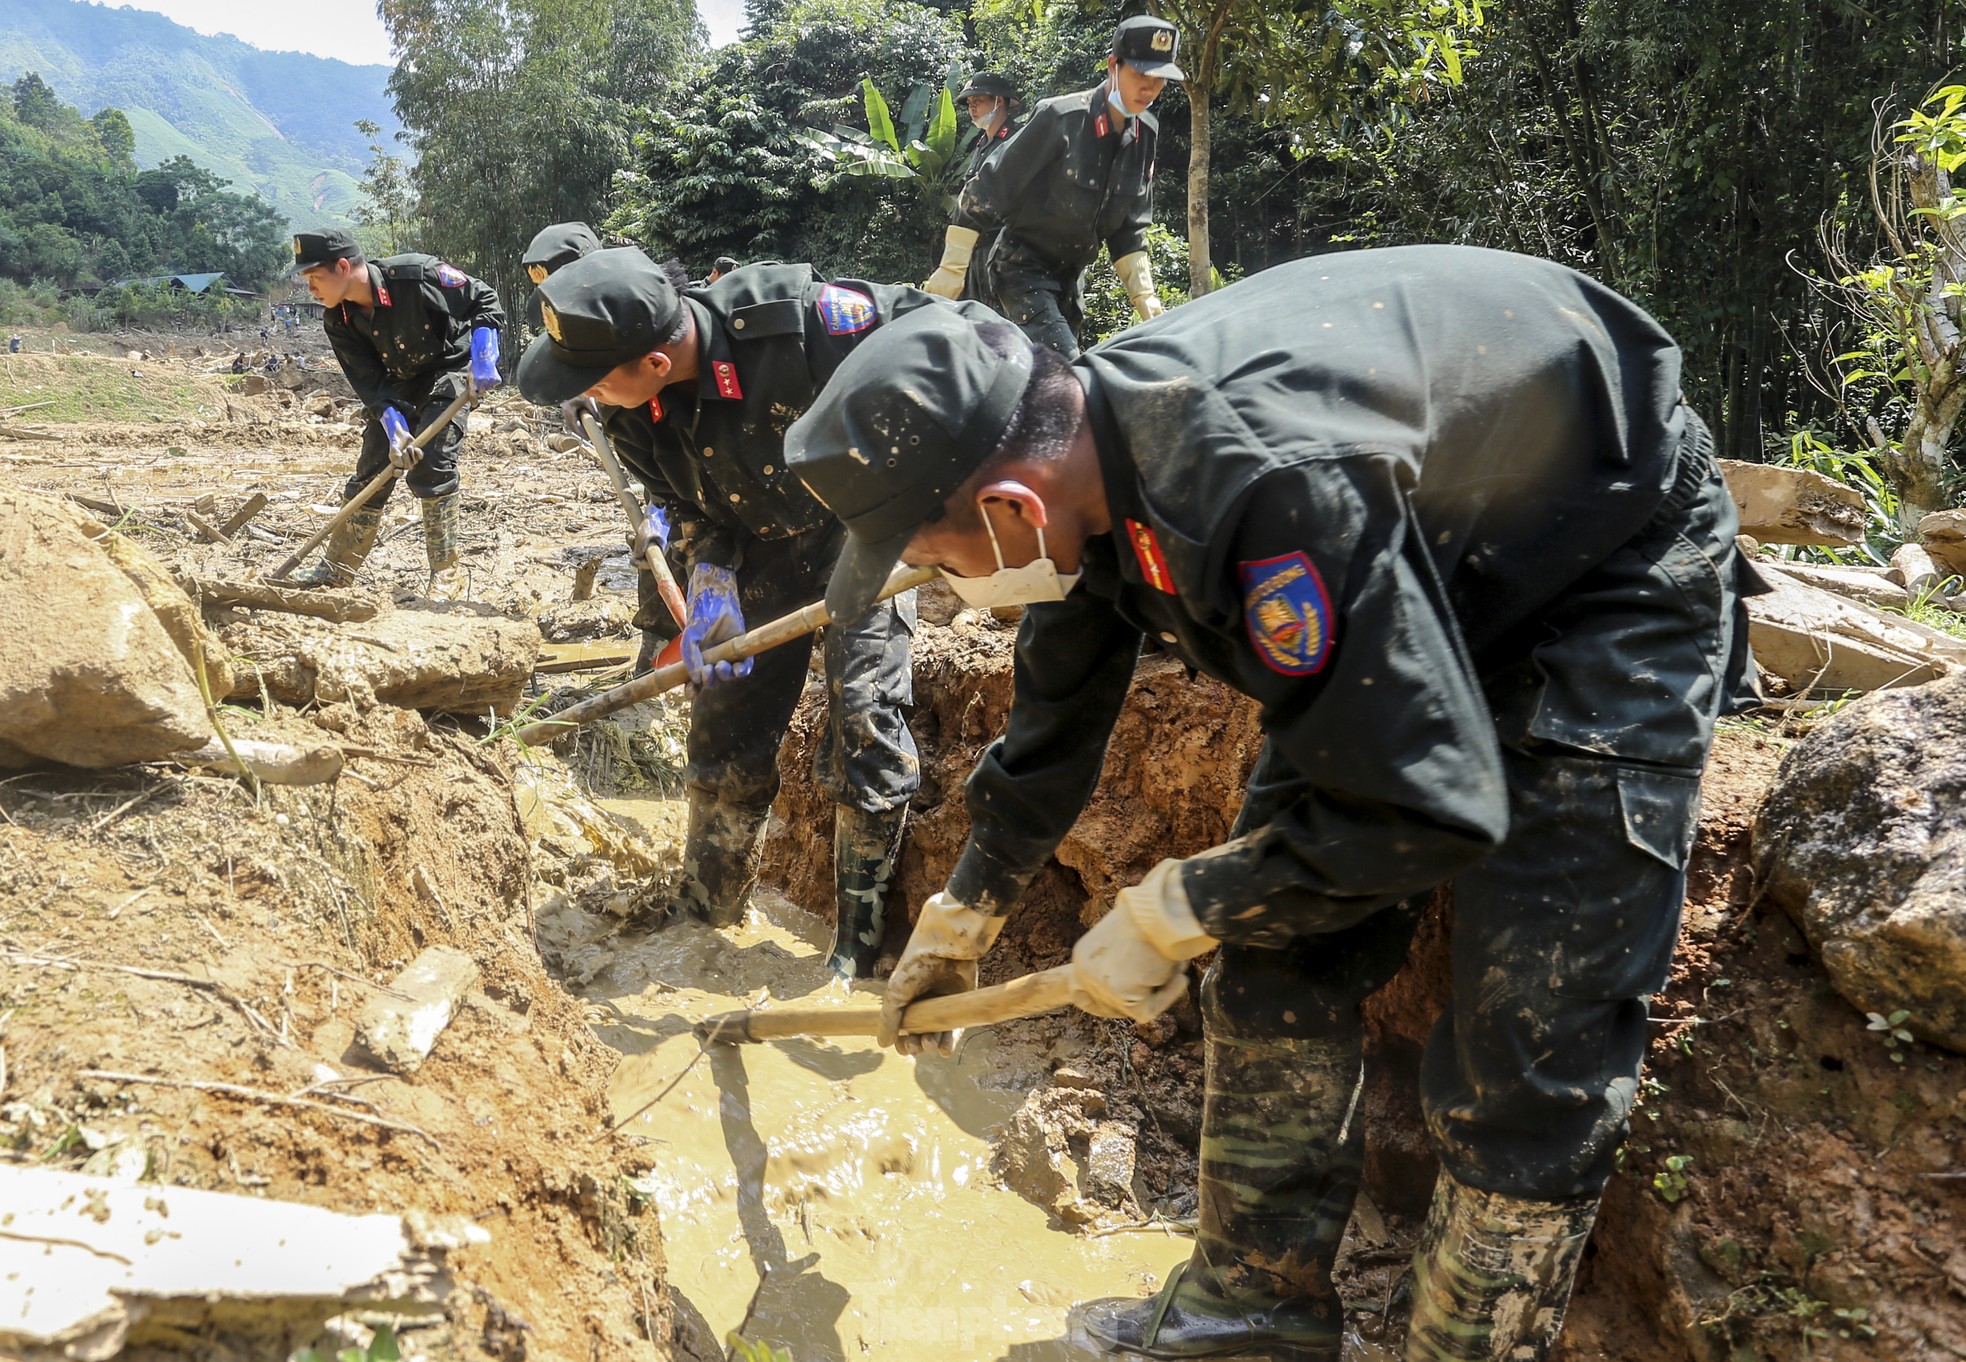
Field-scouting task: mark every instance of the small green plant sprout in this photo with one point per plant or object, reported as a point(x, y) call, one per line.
point(382, 1348)
point(1854, 1323)
point(1893, 1033)
point(743, 1349)
point(1670, 1182)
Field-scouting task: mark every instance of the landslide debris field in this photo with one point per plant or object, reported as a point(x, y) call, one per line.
point(187, 960)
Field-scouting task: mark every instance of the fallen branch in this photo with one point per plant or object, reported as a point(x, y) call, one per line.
point(269, 1098)
point(341, 607)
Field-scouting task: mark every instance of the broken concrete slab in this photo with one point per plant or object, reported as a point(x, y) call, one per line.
point(1816, 641)
point(97, 1266)
point(1870, 586)
point(1942, 534)
point(1794, 505)
point(1861, 841)
point(91, 675)
point(457, 659)
point(401, 1027)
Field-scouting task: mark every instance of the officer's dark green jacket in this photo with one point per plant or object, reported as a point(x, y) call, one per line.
point(420, 326)
point(985, 145)
point(713, 452)
point(1071, 180)
point(1356, 488)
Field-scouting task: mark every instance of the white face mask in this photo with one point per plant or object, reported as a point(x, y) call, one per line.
point(1113, 98)
point(1038, 580)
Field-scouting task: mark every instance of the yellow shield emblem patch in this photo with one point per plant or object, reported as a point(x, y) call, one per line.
point(1163, 40)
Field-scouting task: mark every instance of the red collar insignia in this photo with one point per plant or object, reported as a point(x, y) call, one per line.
point(1153, 563)
point(727, 384)
point(1099, 126)
point(382, 294)
point(655, 407)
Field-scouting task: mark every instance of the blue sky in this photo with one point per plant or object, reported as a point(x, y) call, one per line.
point(347, 29)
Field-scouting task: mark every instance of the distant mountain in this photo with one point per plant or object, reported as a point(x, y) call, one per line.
point(281, 123)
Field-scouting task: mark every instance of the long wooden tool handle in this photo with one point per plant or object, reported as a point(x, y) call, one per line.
point(665, 580)
point(1045, 991)
point(781, 630)
point(374, 485)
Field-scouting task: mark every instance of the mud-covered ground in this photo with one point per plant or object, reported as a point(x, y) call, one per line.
point(1792, 1188)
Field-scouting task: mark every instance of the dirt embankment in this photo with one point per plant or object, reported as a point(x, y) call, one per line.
point(1789, 1190)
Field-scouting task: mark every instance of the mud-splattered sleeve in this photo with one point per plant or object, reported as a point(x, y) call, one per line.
point(1075, 660)
point(1368, 695)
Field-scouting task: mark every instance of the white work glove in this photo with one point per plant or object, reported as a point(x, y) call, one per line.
point(947, 281)
point(940, 959)
point(1138, 277)
point(1134, 961)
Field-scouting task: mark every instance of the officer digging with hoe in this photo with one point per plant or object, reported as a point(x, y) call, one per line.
point(406, 330)
point(1442, 513)
point(551, 248)
point(698, 390)
point(1078, 176)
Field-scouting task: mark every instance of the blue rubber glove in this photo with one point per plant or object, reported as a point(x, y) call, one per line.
point(714, 615)
point(398, 431)
point(654, 533)
point(484, 357)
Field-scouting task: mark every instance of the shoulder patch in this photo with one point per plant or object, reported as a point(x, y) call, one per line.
point(1153, 563)
point(1288, 614)
point(727, 384)
point(845, 310)
point(450, 276)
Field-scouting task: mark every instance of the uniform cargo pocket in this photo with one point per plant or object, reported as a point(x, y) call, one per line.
point(1661, 811)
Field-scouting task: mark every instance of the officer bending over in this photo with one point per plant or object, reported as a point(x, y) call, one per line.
point(1443, 514)
point(406, 330)
point(700, 388)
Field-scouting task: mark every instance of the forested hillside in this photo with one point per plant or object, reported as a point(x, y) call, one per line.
point(279, 123)
point(75, 210)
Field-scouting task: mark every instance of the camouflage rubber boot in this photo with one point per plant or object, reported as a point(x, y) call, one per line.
point(864, 848)
point(1492, 1275)
point(1282, 1150)
point(726, 844)
point(441, 546)
point(348, 548)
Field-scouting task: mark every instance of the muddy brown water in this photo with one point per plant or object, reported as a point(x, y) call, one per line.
point(828, 1196)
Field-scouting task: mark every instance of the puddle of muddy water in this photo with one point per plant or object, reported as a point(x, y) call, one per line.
point(854, 1181)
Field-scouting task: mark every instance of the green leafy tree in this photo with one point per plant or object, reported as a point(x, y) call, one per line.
point(520, 113)
point(927, 148)
point(119, 142)
point(388, 208)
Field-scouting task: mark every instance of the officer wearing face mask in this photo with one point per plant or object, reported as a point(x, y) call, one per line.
point(1442, 513)
point(1078, 176)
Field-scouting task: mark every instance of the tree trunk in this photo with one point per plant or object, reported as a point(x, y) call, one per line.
point(1198, 134)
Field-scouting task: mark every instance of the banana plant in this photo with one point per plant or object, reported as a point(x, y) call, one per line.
point(927, 145)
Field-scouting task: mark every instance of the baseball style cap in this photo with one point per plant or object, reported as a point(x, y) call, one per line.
point(914, 410)
point(604, 309)
point(990, 85)
point(323, 246)
point(555, 246)
point(1149, 46)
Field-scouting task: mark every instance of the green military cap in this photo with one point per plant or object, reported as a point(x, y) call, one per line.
point(604, 309)
point(561, 244)
point(1149, 46)
point(914, 410)
point(990, 85)
point(323, 246)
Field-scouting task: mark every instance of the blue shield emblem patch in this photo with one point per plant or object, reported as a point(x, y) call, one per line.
point(845, 311)
point(450, 276)
point(1288, 614)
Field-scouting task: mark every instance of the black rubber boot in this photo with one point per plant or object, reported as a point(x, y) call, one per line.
point(1281, 1156)
point(1492, 1275)
point(864, 849)
point(725, 847)
point(348, 548)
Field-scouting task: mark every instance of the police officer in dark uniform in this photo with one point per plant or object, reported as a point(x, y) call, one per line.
point(1078, 176)
point(551, 247)
point(994, 109)
point(1442, 512)
point(699, 389)
point(406, 329)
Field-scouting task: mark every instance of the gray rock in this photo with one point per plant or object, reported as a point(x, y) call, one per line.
point(1863, 842)
point(401, 1027)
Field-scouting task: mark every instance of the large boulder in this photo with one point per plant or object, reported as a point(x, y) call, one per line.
point(1863, 843)
point(95, 666)
point(458, 659)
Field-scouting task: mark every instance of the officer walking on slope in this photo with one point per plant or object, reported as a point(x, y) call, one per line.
point(699, 389)
point(993, 109)
point(1442, 512)
point(406, 329)
point(1078, 176)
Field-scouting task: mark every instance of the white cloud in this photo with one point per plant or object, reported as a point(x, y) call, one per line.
point(345, 29)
